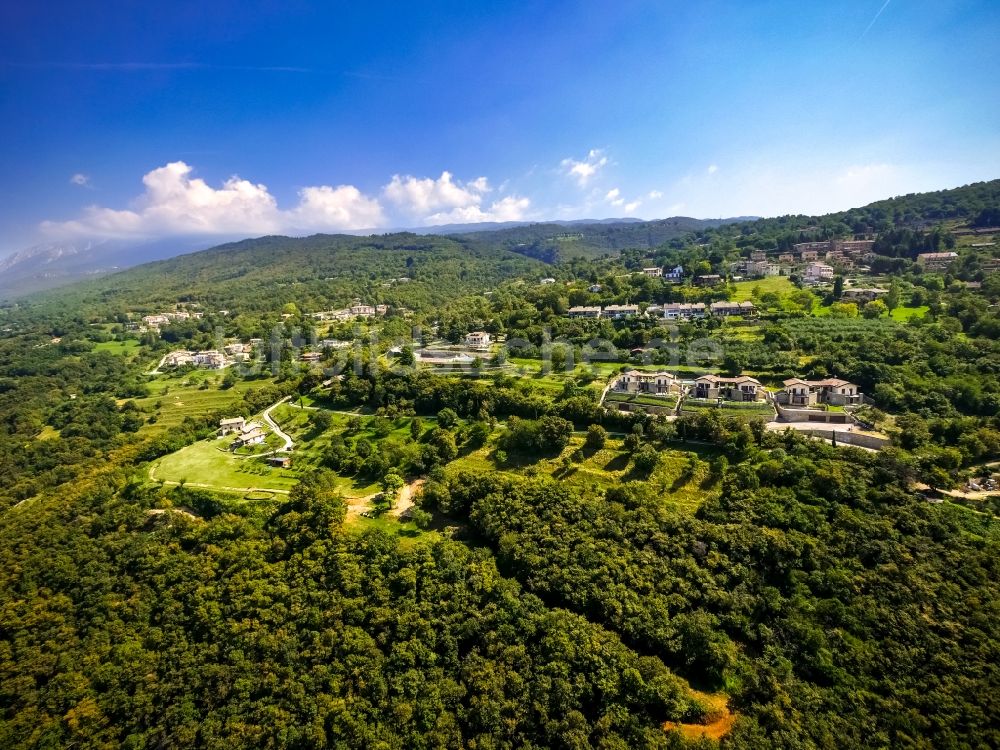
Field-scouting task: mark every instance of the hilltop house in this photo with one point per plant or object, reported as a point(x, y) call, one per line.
point(234, 424)
point(584, 311)
point(478, 340)
point(708, 279)
point(179, 358)
point(833, 391)
point(655, 273)
point(675, 274)
point(817, 272)
point(655, 383)
point(548, 280)
point(742, 388)
point(250, 434)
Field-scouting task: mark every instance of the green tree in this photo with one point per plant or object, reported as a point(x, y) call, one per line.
point(892, 299)
point(875, 309)
point(597, 437)
point(447, 417)
point(838, 287)
point(391, 484)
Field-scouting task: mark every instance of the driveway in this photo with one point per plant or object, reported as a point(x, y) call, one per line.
point(274, 426)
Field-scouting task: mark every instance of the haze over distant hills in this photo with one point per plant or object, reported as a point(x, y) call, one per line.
point(54, 264)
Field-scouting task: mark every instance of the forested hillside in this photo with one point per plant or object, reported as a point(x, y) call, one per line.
point(561, 242)
point(307, 271)
point(470, 544)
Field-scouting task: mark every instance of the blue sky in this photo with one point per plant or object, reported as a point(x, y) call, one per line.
point(151, 119)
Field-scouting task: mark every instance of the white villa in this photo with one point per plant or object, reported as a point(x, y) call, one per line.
point(478, 340)
point(816, 272)
point(234, 424)
point(675, 274)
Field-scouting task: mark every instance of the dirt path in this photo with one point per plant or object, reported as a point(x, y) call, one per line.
point(358, 505)
point(959, 494)
point(406, 495)
point(720, 720)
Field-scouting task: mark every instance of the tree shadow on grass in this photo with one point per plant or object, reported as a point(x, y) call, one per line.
point(618, 463)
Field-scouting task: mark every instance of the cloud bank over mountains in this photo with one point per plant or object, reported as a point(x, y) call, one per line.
point(175, 202)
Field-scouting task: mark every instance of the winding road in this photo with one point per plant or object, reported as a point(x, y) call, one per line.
point(277, 430)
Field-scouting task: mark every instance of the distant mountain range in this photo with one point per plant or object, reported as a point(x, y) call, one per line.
point(54, 264)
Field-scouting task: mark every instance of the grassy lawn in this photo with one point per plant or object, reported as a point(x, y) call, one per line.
point(122, 348)
point(208, 463)
point(903, 314)
point(205, 464)
point(776, 284)
point(667, 401)
point(736, 409)
point(175, 398)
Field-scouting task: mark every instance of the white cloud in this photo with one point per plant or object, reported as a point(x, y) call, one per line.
point(631, 207)
point(343, 207)
point(509, 208)
point(614, 197)
point(449, 201)
point(583, 170)
point(654, 194)
point(712, 168)
point(420, 197)
point(175, 202)
point(80, 180)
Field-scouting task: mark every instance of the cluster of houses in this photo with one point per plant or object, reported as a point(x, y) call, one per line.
point(795, 392)
point(211, 359)
point(357, 310)
point(668, 311)
point(818, 258)
point(161, 319)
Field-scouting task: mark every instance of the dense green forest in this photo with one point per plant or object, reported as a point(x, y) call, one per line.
point(566, 575)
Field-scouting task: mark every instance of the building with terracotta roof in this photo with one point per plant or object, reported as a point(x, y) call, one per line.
point(741, 388)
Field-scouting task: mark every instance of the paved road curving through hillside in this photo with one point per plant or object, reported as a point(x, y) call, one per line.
point(277, 430)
